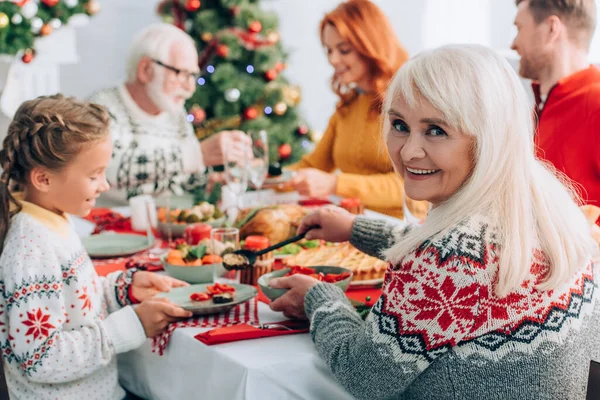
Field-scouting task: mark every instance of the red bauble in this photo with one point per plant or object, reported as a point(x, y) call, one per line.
point(20, 3)
point(192, 5)
point(28, 56)
point(255, 27)
point(50, 3)
point(285, 151)
point(271, 75)
point(222, 50)
point(199, 114)
point(279, 66)
point(250, 113)
point(302, 130)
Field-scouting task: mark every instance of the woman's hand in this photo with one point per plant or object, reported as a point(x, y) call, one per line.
point(147, 284)
point(292, 302)
point(313, 182)
point(332, 224)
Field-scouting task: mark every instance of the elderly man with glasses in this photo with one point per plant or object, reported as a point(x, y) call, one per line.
point(155, 149)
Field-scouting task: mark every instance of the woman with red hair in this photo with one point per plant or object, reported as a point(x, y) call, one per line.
point(363, 50)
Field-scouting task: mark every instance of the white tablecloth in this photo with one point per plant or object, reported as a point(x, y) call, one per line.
point(284, 367)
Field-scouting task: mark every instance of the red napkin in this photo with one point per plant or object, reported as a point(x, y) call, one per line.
point(245, 332)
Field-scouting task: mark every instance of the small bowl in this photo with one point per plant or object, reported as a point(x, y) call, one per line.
point(272, 293)
point(191, 274)
point(178, 230)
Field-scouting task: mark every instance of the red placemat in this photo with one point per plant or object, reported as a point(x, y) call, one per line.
point(243, 313)
point(239, 332)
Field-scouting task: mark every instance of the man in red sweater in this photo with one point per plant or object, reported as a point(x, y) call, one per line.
point(553, 41)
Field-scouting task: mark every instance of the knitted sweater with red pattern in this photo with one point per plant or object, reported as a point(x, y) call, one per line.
point(439, 332)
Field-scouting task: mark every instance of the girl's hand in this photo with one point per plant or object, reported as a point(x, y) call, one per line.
point(156, 314)
point(146, 285)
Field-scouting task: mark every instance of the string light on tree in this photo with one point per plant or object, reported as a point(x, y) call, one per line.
point(250, 69)
point(210, 69)
point(192, 5)
point(255, 27)
point(250, 113)
point(232, 95)
point(280, 108)
point(36, 24)
point(268, 110)
point(198, 114)
point(55, 23)
point(285, 151)
point(4, 21)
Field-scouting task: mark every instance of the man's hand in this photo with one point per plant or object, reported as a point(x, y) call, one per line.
point(226, 146)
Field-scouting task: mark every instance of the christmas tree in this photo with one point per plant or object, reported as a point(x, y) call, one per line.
point(22, 21)
point(242, 85)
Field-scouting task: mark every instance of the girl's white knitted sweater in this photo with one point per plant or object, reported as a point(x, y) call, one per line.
point(60, 324)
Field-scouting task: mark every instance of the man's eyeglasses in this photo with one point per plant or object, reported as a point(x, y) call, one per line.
point(182, 75)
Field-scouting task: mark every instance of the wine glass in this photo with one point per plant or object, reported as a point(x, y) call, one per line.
point(236, 177)
point(258, 166)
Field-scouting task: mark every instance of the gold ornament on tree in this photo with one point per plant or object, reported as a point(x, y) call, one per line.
point(280, 108)
point(206, 36)
point(292, 95)
point(4, 21)
point(92, 7)
point(273, 37)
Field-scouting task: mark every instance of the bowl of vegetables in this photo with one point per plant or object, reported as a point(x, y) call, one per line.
point(173, 222)
point(192, 264)
point(337, 276)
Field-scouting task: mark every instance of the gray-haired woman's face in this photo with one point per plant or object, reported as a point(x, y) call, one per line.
point(433, 159)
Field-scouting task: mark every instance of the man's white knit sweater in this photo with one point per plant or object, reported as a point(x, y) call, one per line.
point(61, 325)
point(153, 154)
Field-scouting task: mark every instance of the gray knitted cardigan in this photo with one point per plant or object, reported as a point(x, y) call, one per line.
point(439, 332)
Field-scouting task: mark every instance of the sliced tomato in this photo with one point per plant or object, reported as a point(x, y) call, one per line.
point(213, 289)
point(225, 288)
point(200, 296)
point(256, 242)
point(332, 278)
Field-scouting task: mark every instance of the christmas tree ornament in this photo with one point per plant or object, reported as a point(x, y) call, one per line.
point(198, 113)
point(71, 3)
point(50, 3)
point(279, 66)
point(285, 151)
point(273, 37)
point(206, 36)
point(222, 50)
point(20, 3)
point(92, 7)
point(29, 10)
point(192, 5)
point(302, 130)
point(255, 27)
point(4, 21)
point(28, 56)
point(45, 30)
point(250, 113)
point(271, 75)
point(280, 108)
point(291, 95)
point(232, 95)
point(16, 19)
point(55, 23)
point(36, 24)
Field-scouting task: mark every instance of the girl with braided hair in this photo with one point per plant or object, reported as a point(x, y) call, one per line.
point(60, 324)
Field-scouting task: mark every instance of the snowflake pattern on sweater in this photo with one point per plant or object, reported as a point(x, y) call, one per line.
point(438, 313)
point(60, 324)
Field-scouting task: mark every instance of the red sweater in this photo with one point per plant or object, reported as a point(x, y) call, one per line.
point(568, 131)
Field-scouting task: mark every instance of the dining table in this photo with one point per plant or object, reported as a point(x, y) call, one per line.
point(279, 367)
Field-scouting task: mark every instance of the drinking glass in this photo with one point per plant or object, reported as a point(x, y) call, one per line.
point(258, 167)
point(225, 240)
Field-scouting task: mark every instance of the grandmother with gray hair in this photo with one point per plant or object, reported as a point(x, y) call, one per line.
point(494, 296)
point(155, 149)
